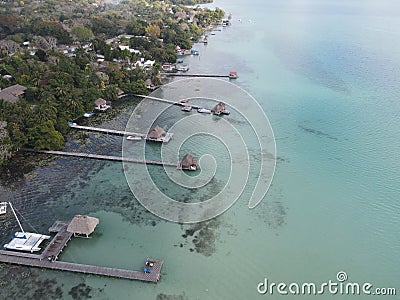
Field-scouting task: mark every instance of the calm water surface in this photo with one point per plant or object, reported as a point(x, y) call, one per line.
point(327, 75)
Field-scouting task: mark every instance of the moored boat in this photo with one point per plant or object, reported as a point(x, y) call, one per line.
point(186, 108)
point(204, 111)
point(88, 114)
point(133, 138)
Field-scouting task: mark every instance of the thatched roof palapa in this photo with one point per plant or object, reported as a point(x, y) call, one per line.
point(220, 107)
point(100, 102)
point(156, 132)
point(187, 160)
point(82, 225)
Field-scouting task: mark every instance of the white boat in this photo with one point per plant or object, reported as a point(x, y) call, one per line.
point(186, 108)
point(183, 68)
point(204, 111)
point(133, 138)
point(25, 241)
point(3, 208)
point(88, 114)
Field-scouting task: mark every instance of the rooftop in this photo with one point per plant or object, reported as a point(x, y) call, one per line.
point(12, 93)
point(82, 225)
point(156, 132)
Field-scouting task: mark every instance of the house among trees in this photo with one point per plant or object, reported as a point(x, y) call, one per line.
point(188, 162)
point(12, 93)
point(82, 225)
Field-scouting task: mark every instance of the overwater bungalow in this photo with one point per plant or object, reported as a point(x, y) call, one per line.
point(101, 104)
point(219, 109)
point(188, 162)
point(158, 134)
point(82, 225)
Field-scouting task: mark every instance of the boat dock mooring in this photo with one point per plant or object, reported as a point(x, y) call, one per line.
point(48, 259)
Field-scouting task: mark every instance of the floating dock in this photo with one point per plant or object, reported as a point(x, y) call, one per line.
point(103, 157)
point(49, 261)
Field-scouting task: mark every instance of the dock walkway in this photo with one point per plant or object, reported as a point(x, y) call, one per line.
point(58, 243)
point(154, 276)
point(194, 75)
point(48, 259)
point(104, 157)
point(105, 130)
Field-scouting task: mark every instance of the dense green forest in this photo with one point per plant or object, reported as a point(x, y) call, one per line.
point(63, 81)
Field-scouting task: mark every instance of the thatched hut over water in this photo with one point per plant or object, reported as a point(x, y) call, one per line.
point(82, 225)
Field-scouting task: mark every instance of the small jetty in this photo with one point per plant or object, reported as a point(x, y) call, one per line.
point(105, 130)
point(48, 259)
point(157, 134)
point(194, 75)
point(102, 157)
point(179, 103)
point(219, 109)
point(188, 163)
point(230, 75)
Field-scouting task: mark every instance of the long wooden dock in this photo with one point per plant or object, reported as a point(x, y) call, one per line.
point(103, 157)
point(163, 139)
point(194, 75)
point(48, 260)
point(178, 103)
point(109, 131)
point(154, 276)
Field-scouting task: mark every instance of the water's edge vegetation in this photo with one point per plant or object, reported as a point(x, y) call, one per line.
point(68, 54)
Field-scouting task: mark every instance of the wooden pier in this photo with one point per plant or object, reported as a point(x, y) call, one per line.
point(164, 139)
point(104, 157)
point(109, 131)
point(178, 103)
point(48, 260)
point(194, 75)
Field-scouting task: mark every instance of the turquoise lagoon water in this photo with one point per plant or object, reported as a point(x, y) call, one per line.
point(326, 73)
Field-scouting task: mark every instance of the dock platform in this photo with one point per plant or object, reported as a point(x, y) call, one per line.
point(48, 261)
